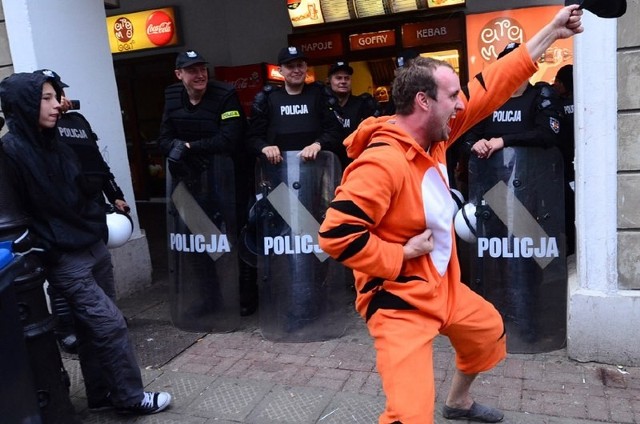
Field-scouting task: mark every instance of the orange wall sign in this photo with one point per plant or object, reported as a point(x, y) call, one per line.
point(489, 33)
point(432, 32)
point(148, 29)
point(372, 40)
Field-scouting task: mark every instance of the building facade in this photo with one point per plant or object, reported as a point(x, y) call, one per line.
point(604, 286)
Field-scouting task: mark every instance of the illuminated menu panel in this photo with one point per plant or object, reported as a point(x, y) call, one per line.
point(443, 3)
point(304, 12)
point(365, 8)
point(406, 5)
point(336, 10)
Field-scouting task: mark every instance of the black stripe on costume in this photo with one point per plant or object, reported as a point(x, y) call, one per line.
point(354, 247)
point(372, 284)
point(465, 91)
point(350, 208)
point(377, 144)
point(385, 300)
point(343, 230)
point(480, 79)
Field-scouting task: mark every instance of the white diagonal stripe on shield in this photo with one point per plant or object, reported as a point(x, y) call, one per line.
point(515, 216)
point(285, 202)
point(193, 216)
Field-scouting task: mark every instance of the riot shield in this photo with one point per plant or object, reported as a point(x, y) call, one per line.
point(202, 238)
point(519, 258)
point(303, 292)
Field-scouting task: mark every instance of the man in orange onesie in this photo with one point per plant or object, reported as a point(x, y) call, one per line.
point(391, 222)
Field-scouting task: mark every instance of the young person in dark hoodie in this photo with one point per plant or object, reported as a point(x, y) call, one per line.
point(70, 227)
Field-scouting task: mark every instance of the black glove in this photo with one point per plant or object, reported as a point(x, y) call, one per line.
point(178, 150)
point(177, 153)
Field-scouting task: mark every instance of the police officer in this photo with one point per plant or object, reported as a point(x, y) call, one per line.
point(203, 117)
point(386, 99)
point(74, 130)
point(351, 109)
point(298, 116)
point(531, 117)
point(563, 84)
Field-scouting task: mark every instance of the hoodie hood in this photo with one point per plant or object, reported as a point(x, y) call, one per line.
point(374, 128)
point(20, 97)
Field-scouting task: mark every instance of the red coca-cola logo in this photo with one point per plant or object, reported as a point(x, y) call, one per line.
point(123, 30)
point(160, 28)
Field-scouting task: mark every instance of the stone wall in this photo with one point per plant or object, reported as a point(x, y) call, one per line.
point(629, 147)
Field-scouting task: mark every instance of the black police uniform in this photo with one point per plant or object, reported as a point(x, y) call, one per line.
point(567, 147)
point(96, 181)
point(214, 126)
point(74, 130)
point(532, 119)
point(351, 114)
point(293, 122)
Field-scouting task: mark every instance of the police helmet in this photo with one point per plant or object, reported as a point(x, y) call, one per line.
point(465, 223)
point(120, 226)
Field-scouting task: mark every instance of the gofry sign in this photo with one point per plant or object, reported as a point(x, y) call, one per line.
point(148, 29)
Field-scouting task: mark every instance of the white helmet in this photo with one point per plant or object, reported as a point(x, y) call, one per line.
point(465, 223)
point(458, 198)
point(120, 228)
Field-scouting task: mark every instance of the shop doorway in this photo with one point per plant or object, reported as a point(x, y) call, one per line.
point(141, 83)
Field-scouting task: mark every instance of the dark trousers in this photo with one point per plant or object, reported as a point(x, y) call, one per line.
point(107, 360)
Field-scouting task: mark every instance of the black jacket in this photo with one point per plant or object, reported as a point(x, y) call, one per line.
point(46, 172)
point(294, 122)
point(213, 126)
point(532, 119)
point(74, 130)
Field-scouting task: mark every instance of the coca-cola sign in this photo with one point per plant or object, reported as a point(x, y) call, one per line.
point(160, 28)
point(147, 29)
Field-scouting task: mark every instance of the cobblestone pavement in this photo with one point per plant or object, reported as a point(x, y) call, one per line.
point(240, 377)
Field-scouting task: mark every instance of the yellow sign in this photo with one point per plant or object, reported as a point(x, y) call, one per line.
point(148, 29)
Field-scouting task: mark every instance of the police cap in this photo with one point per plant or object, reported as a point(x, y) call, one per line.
point(340, 66)
point(289, 54)
point(188, 58)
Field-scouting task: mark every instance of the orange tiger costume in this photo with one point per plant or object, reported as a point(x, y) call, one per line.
point(393, 191)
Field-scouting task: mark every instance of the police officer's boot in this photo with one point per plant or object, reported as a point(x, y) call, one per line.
point(248, 288)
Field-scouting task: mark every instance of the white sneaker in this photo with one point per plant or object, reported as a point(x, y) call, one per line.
point(151, 403)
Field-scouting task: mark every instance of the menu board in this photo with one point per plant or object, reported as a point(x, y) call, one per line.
point(365, 8)
point(442, 3)
point(304, 12)
point(406, 5)
point(336, 10)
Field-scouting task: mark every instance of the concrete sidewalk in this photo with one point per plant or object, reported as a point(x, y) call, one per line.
point(240, 377)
